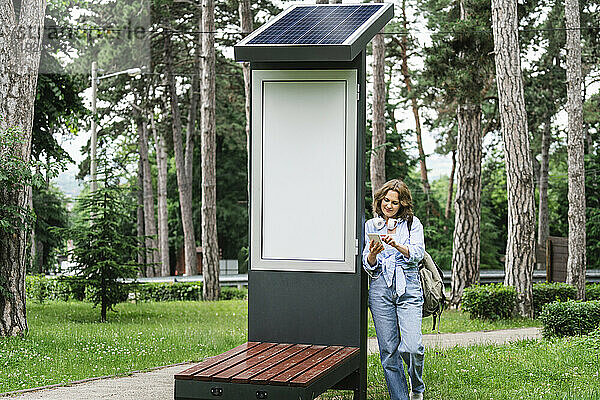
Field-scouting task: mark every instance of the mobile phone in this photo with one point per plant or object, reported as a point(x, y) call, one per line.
point(375, 236)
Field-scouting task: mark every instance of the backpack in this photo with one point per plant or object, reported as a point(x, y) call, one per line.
point(432, 283)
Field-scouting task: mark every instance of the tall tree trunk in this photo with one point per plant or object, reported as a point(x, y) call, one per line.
point(246, 24)
point(467, 205)
point(141, 257)
point(414, 104)
point(148, 196)
point(210, 247)
point(161, 194)
point(543, 224)
point(450, 187)
point(19, 64)
point(513, 119)
point(189, 237)
point(575, 149)
point(378, 138)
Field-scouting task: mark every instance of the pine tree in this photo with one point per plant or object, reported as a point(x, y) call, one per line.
point(103, 253)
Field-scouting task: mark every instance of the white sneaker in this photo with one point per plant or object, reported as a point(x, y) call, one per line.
point(416, 396)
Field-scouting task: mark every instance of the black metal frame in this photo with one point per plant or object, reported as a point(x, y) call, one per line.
point(321, 308)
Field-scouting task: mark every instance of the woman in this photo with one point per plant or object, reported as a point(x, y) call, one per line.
point(395, 295)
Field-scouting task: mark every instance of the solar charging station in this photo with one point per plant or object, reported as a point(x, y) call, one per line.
point(307, 302)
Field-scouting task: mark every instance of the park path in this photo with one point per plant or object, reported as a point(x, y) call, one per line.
point(158, 384)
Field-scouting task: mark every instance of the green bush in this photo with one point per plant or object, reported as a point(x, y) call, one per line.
point(570, 318)
point(494, 301)
point(545, 293)
point(40, 289)
point(65, 288)
point(592, 291)
point(169, 291)
point(232, 293)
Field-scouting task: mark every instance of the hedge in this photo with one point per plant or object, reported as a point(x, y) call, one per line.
point(570, 318)
point(545, 293)
point(40, 289)
point(493, 301)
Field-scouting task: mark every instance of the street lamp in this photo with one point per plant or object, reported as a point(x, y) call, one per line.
point(95, 80)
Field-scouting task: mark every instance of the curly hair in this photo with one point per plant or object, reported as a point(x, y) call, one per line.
point(404, 196)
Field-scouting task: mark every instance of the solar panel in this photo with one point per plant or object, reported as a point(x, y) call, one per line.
point(317, 24)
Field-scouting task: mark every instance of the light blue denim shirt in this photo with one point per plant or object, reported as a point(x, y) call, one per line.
point(390, 259)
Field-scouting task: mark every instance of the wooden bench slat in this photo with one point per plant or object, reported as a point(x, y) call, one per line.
point(209, 362)
point(266, 355)
point(207, 374)
point(309, 376)
point(245, 376)
point(286, 376)
point(265, 376)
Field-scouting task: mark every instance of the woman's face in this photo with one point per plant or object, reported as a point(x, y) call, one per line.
point(390, 204)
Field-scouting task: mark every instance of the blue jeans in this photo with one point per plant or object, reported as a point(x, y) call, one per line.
point(398, 326)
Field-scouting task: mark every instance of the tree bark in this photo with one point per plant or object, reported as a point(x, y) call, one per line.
point(513, 119)
point(210, 247)
point(141, 257)
point(467, 205)
point(246, 24)
point(413, 102)
point(189, 237)
point(543, 224)
point(575, 151)
point(19, 64)
point(377, 166)
point(161, 194)
point(148, 197)
point(450, 187)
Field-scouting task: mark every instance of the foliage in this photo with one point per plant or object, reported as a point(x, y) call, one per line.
point(103, 253)
point(592, 182)
point(50, 207)
point(40, 289)
point(15, 176)
point(180, 291)
point(494, 301)
point(570, 318)
point(545, 293)
point(592, 291)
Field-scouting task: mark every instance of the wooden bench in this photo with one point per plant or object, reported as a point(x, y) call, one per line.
point(264, 370)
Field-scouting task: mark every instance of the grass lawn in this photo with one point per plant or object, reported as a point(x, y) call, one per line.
point(558, 369)
point(454, 321)
point(65, 342)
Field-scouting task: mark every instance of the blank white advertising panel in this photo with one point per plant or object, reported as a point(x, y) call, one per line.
point(303, 170)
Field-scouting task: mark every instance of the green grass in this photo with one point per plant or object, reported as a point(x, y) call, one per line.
point(65, 343)
point(454, 321)
point(558, 369)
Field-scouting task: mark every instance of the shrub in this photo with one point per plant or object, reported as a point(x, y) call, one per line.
point(65, 288)
point(494, 301)
point(544, 293)
point(169, 291)
point(570, 318)
point(592, 291)
point(231, 293)
point(40, 289)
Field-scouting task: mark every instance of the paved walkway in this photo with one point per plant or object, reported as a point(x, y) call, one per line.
point(158, 384)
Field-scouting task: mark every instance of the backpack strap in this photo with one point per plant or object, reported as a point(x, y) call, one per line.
point(409, 222)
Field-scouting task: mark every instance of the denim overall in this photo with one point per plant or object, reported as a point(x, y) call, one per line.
point(397, 317)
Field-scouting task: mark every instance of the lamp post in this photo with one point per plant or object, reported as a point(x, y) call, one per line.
point(95, 80)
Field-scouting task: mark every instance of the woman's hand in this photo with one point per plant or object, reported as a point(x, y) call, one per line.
point(374, 249)
point(390, 241)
